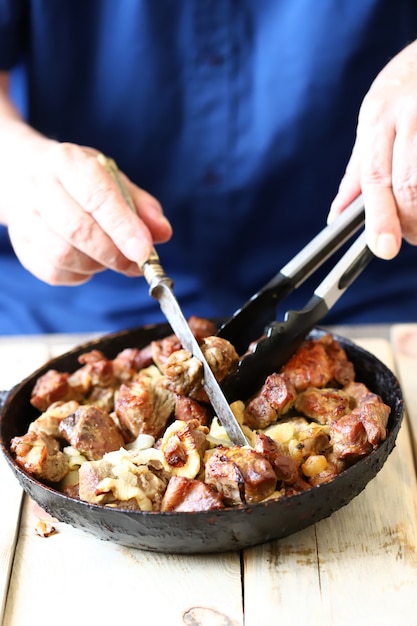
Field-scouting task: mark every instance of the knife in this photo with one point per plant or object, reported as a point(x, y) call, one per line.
point(161, 288)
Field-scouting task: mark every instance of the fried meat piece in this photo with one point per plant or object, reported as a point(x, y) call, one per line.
point(125, 480)
point(317, 363)
point(187, 495)
point(131, 360)
point(348, 437)
point(342, 370)
point(201, 327)
point(91, 431)
point(39, 454)
point(220, 355)
point(53, 386)
point(357, 433)
point(96, 371)
point(322, 405)
point(275, 399)
point(241, 475)
point(183, 375)
point(187, 409)
point(285, 468)
point(143, 406)
point(161, 349)
point(50, 420)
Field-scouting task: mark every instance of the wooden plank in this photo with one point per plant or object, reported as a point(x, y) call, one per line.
point(17, 359)
point(358, 566)
point(72, 577)
point(404, 341)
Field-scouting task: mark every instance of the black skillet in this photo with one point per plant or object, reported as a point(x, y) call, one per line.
point(210, 531)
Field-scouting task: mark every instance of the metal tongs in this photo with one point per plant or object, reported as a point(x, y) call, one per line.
point(280, 339)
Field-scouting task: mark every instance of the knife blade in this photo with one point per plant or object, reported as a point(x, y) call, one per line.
point(161, 288)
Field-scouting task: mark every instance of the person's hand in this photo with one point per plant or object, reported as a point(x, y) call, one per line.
point(69, 221)
point(383, 164)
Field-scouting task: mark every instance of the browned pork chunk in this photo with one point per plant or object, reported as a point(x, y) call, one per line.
point(187, 409)
point(184, 373)
point(201, 327)
point(52, 387)
point(131, 360)
point(40, 455)
point(91, 431)
point(221, 356)
point(241, 475)
point(187, 495)
point(357, 433)
point(275, 399)
point(317, 363)
point(322, 405)
point(143, 407)
point(50, 420)
point(284, 466)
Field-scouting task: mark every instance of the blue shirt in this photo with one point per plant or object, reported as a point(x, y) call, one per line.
point(238, 115)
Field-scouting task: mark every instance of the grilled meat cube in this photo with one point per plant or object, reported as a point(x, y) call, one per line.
point(103, 397)
point(317, 363)
point(52, 387)
point(187, 495)
point(342, 370)
point(91, 431)
point(275, 399)
point(161, 349)
point(356, 433)
point(221, 356)
point(348, 436)
point(96, 371)
point(143, 406)
point(284, 467)
point(50, 420)
point(187, 409)
point(131, 360)
point(184, 375)
point(201, 327)
point(39, 454)
point(308, 367)
point(241, 475)
point(360, 394)
point(322, 405)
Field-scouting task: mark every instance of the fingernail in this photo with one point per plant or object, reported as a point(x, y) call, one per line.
point(158, 215)
point(331, 215)
point(137, 250)
point(385, 246)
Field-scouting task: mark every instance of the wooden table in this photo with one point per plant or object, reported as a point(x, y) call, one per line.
point(357, 567)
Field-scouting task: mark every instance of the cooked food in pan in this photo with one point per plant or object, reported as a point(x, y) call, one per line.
point(137, 431)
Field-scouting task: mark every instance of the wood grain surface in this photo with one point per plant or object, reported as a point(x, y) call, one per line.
point(357, 567)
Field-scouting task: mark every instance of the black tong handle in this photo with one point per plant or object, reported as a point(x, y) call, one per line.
point(284, 338)
point(248, 322)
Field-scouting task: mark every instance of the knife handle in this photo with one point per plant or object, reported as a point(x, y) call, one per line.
point(152, 269)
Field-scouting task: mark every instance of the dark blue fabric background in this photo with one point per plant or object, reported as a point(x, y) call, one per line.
point(238, 115)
